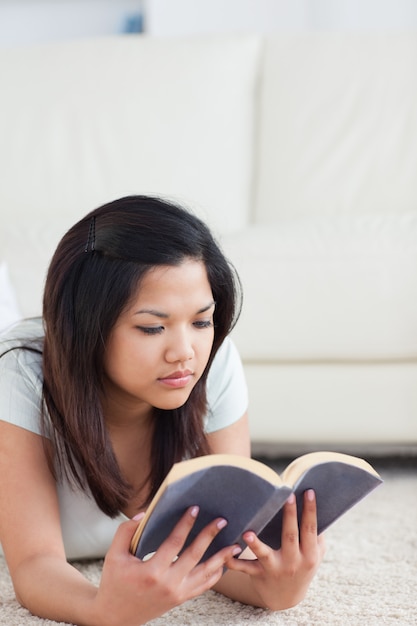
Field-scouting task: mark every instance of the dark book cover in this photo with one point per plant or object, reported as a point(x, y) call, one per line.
point(246, 500)
point(338, 487)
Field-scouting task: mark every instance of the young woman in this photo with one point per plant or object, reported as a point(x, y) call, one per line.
point(129, 370)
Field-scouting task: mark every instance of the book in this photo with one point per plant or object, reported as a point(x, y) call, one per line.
point(251, 496)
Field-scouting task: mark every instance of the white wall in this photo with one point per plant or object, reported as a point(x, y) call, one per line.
point(187, 17)
point(33, 21)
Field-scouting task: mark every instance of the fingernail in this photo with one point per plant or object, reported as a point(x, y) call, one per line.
point(237, 550)
point(291, 499)
point(194, 511)
point(138, 516)
point(310, 495)
point(221, 524)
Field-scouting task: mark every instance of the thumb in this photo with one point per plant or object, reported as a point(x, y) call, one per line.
point(124, 534)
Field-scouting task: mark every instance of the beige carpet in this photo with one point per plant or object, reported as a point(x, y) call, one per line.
point(369, 576)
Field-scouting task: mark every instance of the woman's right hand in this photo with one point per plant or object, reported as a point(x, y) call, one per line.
point(133, 592)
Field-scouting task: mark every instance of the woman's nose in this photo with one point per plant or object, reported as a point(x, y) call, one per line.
point(180, 349)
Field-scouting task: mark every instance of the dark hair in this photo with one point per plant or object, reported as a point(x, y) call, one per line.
point(95, 271)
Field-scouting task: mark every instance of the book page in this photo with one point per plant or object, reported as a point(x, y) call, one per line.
point(179, 470)
point(299, 466)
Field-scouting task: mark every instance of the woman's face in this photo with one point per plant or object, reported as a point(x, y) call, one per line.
point(160, 345)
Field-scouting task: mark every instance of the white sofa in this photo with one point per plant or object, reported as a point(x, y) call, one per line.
point(301, 153)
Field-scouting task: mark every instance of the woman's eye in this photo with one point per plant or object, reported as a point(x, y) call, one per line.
point(203, 324)
point(151, 330)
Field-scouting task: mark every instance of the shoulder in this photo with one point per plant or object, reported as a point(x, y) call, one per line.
point(21, 352)
point(227, 357)
point(21, 378)
point(227, 394)
point(26, 333)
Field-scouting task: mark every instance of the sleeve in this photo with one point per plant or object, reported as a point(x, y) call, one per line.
point(21, 389)
point(227, 392)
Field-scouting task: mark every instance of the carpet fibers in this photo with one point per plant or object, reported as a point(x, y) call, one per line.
point(368, 577)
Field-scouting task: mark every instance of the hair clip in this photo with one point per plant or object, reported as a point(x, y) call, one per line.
point(91, 239)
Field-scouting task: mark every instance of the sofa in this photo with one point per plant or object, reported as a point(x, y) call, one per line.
point(300, 151)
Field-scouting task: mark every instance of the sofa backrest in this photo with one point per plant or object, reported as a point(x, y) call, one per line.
point(82, 123)
point(338, 125)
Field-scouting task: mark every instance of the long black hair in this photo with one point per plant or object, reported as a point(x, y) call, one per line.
point(95, 271)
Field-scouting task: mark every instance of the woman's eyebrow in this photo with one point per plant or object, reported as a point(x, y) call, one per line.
point(162, 315)
point(152, 312)
point(207, 308)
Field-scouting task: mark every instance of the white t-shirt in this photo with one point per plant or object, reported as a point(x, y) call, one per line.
point(87, 531)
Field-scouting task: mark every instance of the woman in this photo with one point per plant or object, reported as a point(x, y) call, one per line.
point(130, 370)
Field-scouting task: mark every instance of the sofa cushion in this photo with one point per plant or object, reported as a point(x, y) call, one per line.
point(338, 123)
point(327, 403)
point(84, 122)
point(328, 289)
point(27, 247)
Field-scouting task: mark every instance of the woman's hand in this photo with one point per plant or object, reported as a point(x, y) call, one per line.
point(281, 577)
point(132, 591)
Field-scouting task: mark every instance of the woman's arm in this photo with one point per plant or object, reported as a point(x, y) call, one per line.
point(131, 592)
point(274, 579)
point(30, 529)
point(233, 439)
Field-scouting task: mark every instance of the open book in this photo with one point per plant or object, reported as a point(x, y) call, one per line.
point(250, 495)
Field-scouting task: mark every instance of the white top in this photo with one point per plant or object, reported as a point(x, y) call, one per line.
point(87, 531)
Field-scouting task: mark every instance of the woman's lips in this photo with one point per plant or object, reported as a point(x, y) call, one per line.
point(177, 380)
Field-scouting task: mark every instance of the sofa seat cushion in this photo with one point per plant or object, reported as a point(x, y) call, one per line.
point(328, 289)
point(330, 403)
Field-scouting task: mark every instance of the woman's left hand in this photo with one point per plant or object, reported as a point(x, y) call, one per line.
point(281, 577)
